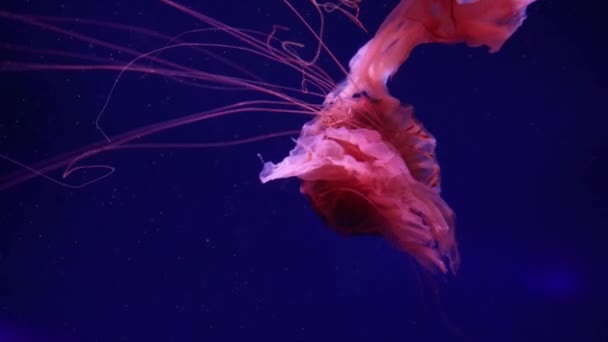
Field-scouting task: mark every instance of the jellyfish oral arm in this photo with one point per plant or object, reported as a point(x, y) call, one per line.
point(414, 22)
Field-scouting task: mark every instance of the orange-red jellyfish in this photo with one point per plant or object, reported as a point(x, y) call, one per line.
point(366, 163)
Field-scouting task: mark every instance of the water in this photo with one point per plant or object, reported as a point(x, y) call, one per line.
point(186, 244)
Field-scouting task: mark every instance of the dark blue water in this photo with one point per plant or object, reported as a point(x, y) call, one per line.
point(187, 245)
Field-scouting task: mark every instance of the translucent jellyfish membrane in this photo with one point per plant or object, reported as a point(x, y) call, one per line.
point(367, 165)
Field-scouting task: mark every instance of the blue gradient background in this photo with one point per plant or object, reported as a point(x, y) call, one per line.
point(187, 245)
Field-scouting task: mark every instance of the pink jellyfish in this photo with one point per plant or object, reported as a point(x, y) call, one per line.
point(365, 162)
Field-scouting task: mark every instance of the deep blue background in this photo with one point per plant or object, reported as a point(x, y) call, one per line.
point(187, 245)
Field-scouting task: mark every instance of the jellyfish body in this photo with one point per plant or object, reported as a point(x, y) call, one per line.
point(367, 165)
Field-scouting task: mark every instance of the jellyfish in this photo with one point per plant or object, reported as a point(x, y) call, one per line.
point(365, 162)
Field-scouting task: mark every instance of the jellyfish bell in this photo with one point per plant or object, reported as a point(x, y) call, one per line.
point(413, 22)
point(366, 164)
